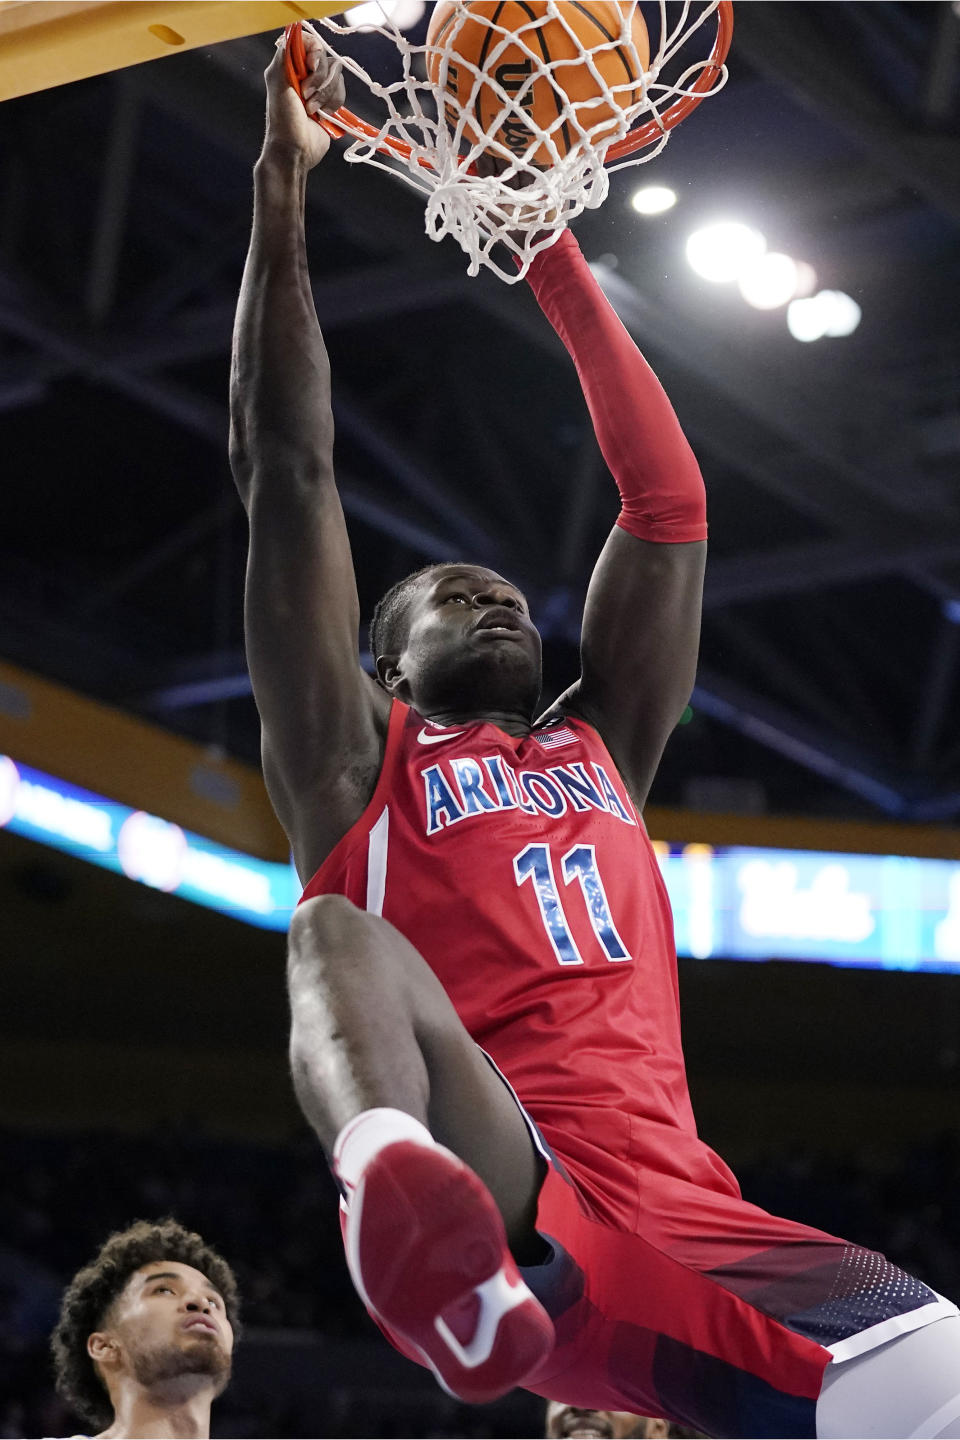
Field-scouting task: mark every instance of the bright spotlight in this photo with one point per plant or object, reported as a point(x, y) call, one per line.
point(806, 280)
point(844, 313)
point(653, 199)
point(804, 320)
point(769, 282)
point(831, 312)
point(723, 251)
point(403, 13)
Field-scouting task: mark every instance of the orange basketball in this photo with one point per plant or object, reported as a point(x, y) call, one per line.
point(470, 37)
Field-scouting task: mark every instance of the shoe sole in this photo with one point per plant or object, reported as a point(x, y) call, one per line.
point(427, 1251)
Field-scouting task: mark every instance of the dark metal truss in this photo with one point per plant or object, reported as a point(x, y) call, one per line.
point(868, 504)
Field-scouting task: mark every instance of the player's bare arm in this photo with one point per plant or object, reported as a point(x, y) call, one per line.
point(638, 648)
point(641, 622)
point(324, 719)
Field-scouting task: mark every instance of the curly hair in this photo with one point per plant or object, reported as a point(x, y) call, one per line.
point(93, 1290)
point(388, 626)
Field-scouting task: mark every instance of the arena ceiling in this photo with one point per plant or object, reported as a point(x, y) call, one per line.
point(829, 677)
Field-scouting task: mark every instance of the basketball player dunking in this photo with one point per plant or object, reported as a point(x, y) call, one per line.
point(541, 1210)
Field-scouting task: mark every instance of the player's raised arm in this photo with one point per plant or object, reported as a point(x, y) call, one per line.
point(641, 623)
point(323, 718)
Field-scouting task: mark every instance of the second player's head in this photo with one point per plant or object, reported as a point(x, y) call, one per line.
point(457, 638)
point(570, 1422)
point(155, 1310)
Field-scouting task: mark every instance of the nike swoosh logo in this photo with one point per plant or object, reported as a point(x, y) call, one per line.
point(426, 739)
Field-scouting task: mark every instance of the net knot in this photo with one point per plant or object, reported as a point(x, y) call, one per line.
point(451, 210)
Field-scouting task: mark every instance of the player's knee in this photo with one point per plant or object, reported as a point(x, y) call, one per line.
point(338, 951)
point(318, 927)
point(324, 932)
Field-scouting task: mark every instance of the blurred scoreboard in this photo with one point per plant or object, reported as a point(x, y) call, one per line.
point(891, 912)
point(729, 902)
point(145, 847)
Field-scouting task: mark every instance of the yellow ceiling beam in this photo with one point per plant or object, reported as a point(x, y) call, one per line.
point(127, 759)
point(44, 43)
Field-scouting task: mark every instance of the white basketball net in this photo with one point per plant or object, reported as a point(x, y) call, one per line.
point(522, 207)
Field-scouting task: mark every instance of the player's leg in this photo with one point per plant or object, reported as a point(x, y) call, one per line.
point(382, 1068)
point(371, 1026)
point(908, 1387)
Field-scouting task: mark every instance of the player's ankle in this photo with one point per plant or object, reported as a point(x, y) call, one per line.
point(363, 1137)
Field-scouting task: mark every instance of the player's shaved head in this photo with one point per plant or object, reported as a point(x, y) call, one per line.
point(457, 637)
point(388, 627)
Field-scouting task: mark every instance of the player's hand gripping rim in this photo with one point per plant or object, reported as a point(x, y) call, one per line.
point(302, 93)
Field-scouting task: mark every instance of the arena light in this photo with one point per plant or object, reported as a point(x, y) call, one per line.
point(771, 281)
point(830, 312)
point(723, 251)
point(653, 199)
point(402, 13)
point(844, 313)
point(806, 280)
point(804, 320)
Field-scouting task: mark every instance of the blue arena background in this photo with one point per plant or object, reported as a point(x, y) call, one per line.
point(739, 903)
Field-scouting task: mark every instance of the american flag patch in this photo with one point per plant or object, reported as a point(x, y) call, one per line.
point(553, 739)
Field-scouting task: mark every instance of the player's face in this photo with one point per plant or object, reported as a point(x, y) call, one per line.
point(169, 1330)
point(470, 644)
point(566, 1422)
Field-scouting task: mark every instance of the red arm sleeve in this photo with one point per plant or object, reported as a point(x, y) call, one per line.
point(639, 434)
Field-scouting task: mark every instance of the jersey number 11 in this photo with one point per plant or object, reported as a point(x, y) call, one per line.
point(535, 863)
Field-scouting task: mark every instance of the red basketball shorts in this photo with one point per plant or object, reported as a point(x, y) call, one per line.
point(694, 1305)
point(686, 1302)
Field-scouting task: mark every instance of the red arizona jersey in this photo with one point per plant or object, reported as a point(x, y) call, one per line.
point(522, 873)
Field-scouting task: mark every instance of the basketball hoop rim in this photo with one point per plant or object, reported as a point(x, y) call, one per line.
point(651, 132)
point(344, 122)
